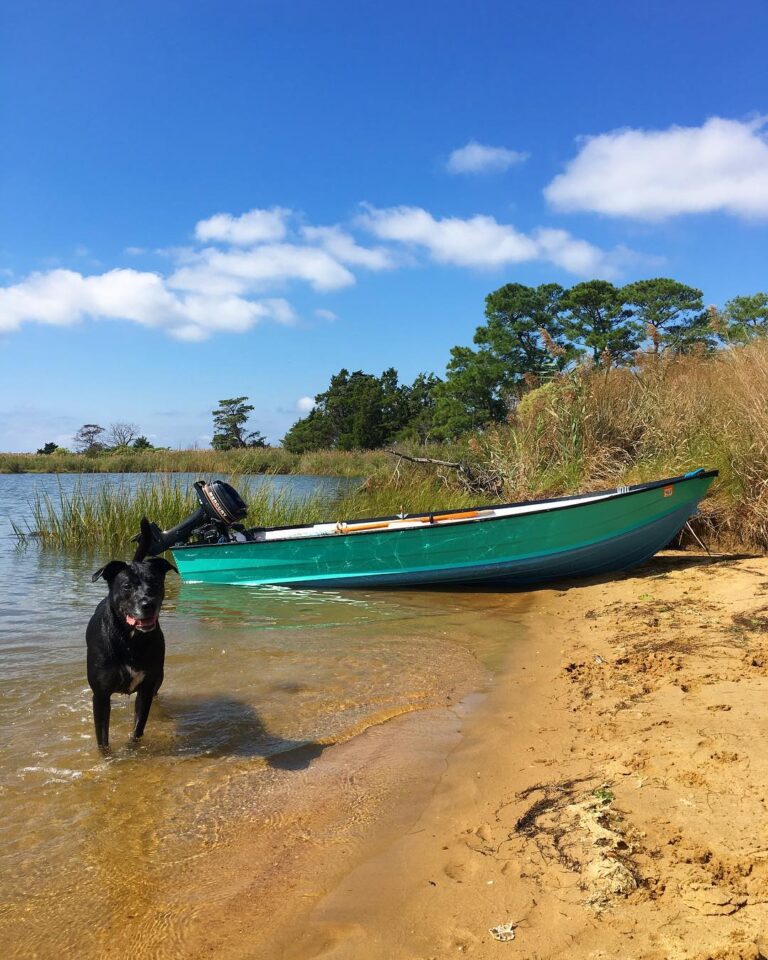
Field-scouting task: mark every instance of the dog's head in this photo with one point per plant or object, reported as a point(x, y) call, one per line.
point(136, 589)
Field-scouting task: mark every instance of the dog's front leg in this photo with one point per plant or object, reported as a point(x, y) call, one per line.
point(102, 706)
point(145, 693)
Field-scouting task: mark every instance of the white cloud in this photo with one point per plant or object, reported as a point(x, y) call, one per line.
point(343, 247)
point(655, 174)
point(576, 256)
point(65, 297)
point(305, 404)
point(324, 314)
point(482, 242)
point(217, 272)
point(476, 242)
point(255, 226)
point(231, 287)
point(479, 158)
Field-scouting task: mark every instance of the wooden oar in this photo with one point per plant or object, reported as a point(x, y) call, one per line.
point(342, 527)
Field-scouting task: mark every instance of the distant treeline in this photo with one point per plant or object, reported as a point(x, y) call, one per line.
point(529, 335)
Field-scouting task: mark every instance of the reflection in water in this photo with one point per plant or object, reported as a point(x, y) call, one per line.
point(103, 858)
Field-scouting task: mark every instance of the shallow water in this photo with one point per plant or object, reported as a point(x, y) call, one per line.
point(259, 681)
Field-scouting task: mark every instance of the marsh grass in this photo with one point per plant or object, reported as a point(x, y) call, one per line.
point(109, 515)
point(338, 463)
point(596, 428)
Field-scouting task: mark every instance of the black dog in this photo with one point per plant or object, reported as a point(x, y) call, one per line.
point(126, 647)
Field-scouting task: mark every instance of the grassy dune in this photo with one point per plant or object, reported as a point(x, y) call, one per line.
point(591, 429)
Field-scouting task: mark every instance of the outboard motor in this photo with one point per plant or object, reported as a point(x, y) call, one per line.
point(221, 506)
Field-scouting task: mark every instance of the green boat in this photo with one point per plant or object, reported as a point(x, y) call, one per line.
point(517, 543)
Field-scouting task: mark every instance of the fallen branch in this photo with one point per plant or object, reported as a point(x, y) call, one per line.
point(472, 479)
point(440, 463)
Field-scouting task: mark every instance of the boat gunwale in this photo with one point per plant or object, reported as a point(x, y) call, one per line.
point(614, 493)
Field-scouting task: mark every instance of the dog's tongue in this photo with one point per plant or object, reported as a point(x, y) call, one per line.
point(141, 624)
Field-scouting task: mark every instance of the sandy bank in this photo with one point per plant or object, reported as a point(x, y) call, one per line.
point(608, 799)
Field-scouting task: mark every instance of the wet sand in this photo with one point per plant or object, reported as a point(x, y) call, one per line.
point(607, 798)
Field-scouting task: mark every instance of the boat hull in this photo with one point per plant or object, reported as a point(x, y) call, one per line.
point(554, 542)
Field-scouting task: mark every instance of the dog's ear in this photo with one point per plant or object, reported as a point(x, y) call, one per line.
point(161, 565)
point(145, 541)
point(109, 571)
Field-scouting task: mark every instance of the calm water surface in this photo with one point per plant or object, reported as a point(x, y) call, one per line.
point(258, 681)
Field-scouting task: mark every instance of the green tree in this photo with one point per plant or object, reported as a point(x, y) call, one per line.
point(394, 404)
point(522, 326)
point(671, 313)
point(48, 448)
point(348, 415)
point(142, 443)
point(747, 317)
point(420, 403)
point(359, 411)
point(312, 432)
point(471, 396)
point(596, 320)
point(87, 438)
point(229, 426)
point(522, 336)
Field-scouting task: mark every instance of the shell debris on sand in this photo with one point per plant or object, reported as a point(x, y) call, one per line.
point(503, 932)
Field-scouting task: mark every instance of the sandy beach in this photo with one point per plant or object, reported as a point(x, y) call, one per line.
point(606, 798)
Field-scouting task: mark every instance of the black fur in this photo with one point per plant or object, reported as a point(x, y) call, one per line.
point(126, 647)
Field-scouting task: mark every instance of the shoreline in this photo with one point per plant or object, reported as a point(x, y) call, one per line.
point(603, 792)
point(341, 809)
point(605, 797)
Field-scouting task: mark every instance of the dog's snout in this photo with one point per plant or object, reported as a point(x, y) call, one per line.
point(144, 603)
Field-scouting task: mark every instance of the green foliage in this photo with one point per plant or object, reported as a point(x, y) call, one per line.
point(141, 443)
point(419, 403)
point(593, 428)
point(110, 515)
point(671, 313)
point(253, 460)
point(360, 411)
point(48, 448)
point(596, 319)
point(521, 338)
point(229, 426)
point(522, 325)
point(471, 395)
point(584, 429)
point(747, 317)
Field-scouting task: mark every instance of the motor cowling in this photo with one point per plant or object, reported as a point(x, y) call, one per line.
point(221, 506)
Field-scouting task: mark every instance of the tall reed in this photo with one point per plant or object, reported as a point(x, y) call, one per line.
point(110, 515)
point(592, 428)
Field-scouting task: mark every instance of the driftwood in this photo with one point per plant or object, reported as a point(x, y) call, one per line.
point(440, 463)
point(472, 479)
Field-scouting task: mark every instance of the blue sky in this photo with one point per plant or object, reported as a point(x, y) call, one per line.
point(205, 199)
